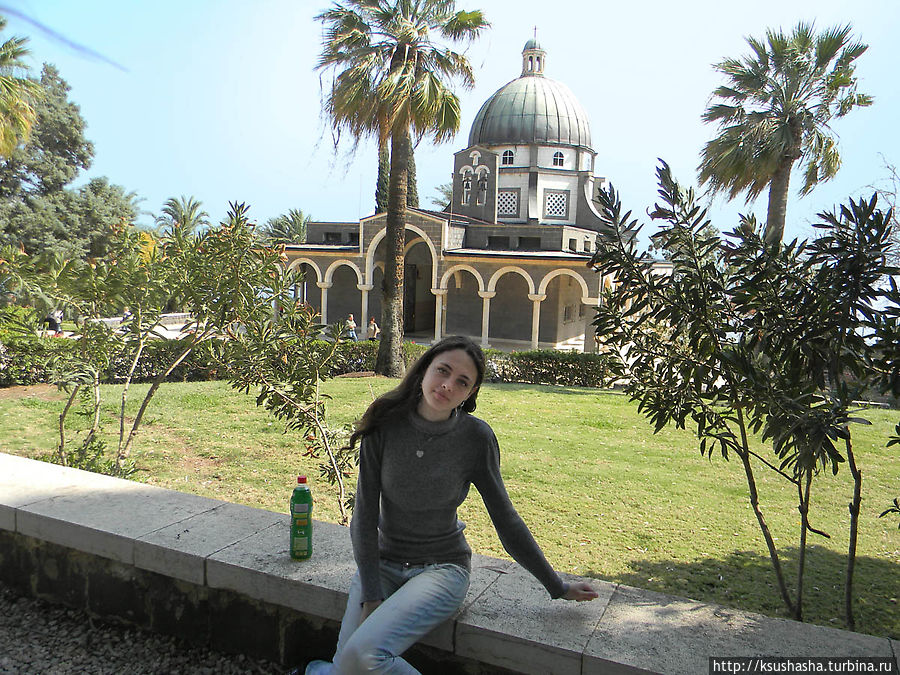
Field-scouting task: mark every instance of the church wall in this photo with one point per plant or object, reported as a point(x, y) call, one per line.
point(550, 235)
point(371, 227)
point(559, 181)
point(341, 234)
point(456, 237)
point(585, 161)
point(517, 180)
point(432, 227)
point(564, 182)
point(545, 156)
point(521, 155)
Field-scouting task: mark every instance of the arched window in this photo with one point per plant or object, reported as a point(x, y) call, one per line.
point(508, 157)
point(558, 159)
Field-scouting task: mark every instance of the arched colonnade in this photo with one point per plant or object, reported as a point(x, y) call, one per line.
point(444, 271)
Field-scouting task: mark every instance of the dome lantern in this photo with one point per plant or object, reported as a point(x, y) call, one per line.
point(533, 58)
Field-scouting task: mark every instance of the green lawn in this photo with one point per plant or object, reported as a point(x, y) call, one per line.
point(604, 496)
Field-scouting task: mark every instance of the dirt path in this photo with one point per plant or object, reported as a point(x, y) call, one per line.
point(47, 392)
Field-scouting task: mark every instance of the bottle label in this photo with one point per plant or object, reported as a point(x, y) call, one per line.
point(300, 545)
point(301, 521)
point(299, 508)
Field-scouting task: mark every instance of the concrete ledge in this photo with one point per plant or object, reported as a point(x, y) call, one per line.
point(220, 573)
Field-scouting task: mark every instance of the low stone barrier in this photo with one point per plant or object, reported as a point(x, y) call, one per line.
point(217, 573)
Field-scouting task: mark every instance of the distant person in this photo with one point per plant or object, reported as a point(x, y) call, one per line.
point(421, 450)
point(54, 322)
point(351, 327)
point(373, 330)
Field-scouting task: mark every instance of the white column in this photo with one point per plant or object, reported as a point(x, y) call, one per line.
point(590, 341)
point(439, 295)
point(324, 285)
point(364, 310)
point(537, 299)
point(485, 314)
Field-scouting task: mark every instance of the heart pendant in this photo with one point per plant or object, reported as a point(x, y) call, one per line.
point(420, 453)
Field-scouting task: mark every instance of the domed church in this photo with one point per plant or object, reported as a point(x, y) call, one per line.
point(506, 261)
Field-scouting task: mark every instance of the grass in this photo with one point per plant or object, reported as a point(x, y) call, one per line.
point(604, 496)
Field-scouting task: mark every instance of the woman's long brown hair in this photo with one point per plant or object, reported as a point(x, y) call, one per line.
point(406, 395)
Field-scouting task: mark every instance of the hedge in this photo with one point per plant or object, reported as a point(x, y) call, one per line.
point(25, 361)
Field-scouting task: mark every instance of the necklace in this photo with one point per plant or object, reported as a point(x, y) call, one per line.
point(424, 442)
point(425, 439)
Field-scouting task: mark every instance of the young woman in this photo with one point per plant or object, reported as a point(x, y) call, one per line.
point(420, 451)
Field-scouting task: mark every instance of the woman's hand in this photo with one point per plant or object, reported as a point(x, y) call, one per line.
point(368, 608)
point(580, 592)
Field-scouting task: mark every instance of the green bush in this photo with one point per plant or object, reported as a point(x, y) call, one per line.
point(549, 367)
point(25, 361)
point(198, 366)
point(359, 357)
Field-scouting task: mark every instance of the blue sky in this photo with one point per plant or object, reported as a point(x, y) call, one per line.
point(220, 99)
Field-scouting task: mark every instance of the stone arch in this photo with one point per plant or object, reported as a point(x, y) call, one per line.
point(462, 302)
point(550, 276)
point(373, 246)
point(296, 262)
point(308, 290)
point(492, 284)
point(468, 268)
point(329, 273)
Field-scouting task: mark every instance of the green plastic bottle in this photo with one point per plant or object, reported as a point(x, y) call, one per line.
point(301, 520)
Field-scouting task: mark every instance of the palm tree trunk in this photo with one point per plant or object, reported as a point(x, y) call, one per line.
point(390, 350)
point(778, 196)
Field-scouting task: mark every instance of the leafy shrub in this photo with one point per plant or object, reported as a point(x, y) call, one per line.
point(27, 360)
point(198, 366)
point(572, 369)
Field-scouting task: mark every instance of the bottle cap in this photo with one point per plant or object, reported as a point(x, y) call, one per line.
point(301, 479)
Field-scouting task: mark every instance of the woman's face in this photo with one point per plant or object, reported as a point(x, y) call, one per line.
point(449, 380)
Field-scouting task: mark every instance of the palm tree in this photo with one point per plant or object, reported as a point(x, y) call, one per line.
point(444, 196)
point(288, 228)
point(183, 216)
point(775, 110)
point(391, 81)
point(17, 94)
point(383, 180)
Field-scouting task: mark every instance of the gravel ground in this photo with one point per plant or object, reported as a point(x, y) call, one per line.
point(43, 639)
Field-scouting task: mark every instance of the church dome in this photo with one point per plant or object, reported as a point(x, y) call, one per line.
point(532, 109)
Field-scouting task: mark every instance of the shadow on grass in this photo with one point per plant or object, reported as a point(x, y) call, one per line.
point(746, 580)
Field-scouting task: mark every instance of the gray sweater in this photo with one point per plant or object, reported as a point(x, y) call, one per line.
point(413, 475)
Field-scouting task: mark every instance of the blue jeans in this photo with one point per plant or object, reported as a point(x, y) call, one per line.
point(418, 598)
